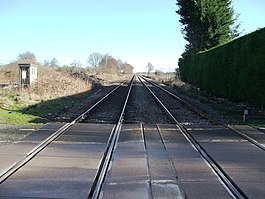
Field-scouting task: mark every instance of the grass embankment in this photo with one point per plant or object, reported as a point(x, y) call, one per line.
point(17, 108)
point(55, 90)
point(11, 105)
point(54, 94)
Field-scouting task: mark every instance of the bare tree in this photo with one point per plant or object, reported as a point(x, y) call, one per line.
point(94, 59)
point(149, 67)
point(76, 63)
point(46, 62)
point(54, 62)
point(120, 66)
point(27, 56)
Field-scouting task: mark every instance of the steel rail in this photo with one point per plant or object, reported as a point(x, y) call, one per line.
point(191, 107)
point(95, 190)
point(24, 160)
point(228, 183)
point(251, 140)
point(203, 114)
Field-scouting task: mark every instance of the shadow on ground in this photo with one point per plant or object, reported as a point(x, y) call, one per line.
point(64, 109)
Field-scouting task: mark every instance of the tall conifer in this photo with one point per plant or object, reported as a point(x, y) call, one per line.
point(206, 23)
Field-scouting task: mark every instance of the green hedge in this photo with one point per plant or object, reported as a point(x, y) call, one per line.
point(235, 70)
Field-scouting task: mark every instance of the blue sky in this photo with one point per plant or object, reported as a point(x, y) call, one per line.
point(135, 31)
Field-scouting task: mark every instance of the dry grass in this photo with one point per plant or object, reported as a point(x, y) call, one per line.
point(167, 78)
point(107, 79)
point(51, 84)
point(49, 94)
point(56, 90)
point(9, 74)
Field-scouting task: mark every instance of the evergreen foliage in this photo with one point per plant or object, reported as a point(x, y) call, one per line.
point(235, 70)
point(206, 23)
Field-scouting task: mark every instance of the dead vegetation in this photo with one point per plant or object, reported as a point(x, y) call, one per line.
point(52, 82)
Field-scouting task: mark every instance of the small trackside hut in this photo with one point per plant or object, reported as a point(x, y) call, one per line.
point(27, 74)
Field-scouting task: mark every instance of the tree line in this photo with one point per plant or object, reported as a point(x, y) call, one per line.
point(95, 61)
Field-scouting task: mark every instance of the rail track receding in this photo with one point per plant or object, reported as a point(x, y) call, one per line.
point(66, 138)
point(140, 140)
point(203, 132)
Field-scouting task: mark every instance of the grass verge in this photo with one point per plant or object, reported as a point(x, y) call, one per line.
point(18, 118)
point(17, 108)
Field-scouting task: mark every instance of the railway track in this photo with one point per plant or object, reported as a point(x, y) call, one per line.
point(103, 168)
point(18, 165)
point(203, 117)
point(230, 185)
point(172, 150)
point(31, 154)
point(185, 125)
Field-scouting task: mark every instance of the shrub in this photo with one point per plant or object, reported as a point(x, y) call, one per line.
point(235, 70)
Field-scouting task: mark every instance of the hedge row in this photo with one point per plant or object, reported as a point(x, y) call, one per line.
point(235, 70)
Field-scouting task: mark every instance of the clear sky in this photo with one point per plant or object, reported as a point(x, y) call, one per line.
point(136, 31)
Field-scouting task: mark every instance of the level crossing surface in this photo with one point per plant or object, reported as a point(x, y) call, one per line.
point(64, 169)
